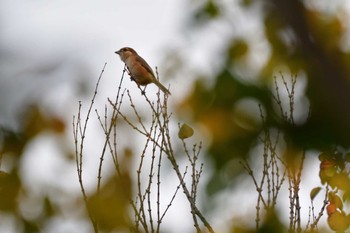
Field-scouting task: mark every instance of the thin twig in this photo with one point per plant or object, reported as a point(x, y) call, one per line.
point(79, 151)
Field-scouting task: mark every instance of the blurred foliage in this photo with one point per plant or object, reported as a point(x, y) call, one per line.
point(215, 109)
point(9, 190)
point(208, 11)
point(12, 191)
point(272, 224)
point(303, 39)
point(110, 206)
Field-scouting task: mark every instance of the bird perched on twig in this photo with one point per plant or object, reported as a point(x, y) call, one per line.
point(138, 68)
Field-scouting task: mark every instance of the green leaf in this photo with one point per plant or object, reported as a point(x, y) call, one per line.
point(314, 192)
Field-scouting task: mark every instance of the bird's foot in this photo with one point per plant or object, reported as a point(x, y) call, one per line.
point(143, 92)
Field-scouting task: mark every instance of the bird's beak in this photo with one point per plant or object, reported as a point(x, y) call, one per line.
point(117, 52)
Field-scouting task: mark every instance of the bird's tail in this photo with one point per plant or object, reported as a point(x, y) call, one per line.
point(161, 87)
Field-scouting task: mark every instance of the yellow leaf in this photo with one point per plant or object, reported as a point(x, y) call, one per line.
point(185, 131)
point(338, 202)
point(338, 222)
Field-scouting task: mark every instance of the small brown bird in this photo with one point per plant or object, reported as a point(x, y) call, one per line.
point(138, 68)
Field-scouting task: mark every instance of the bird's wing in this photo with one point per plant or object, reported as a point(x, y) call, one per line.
point(145, 65)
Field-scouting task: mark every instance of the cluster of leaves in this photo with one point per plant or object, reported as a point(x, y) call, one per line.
point(303, 39)
point(300, 41)
point(334, 172)
point(12, 190)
